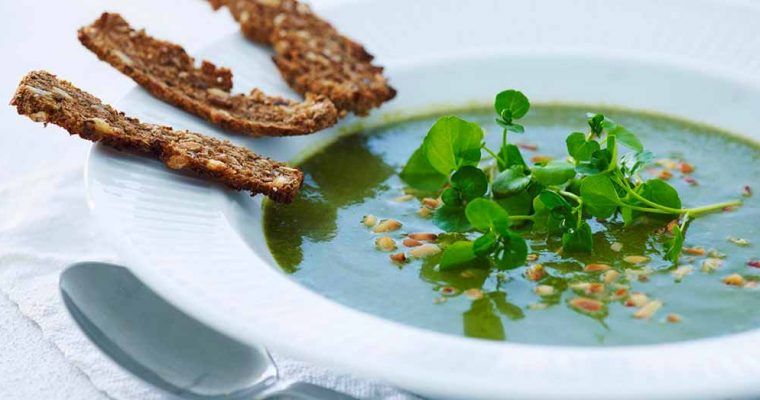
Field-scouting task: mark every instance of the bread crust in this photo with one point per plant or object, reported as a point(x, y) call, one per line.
point(169, 73)
point(44, 98)
point(312, 56)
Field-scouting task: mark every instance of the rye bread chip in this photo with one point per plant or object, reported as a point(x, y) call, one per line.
point(312, 56)
point(169, 73)
point(44, 98)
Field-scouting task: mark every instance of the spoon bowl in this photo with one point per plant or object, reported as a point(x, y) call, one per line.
point(161, 345)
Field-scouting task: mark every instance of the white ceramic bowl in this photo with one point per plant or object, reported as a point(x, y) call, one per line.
point(202, 247)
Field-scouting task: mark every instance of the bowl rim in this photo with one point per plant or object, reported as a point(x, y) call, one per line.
point(390, 342)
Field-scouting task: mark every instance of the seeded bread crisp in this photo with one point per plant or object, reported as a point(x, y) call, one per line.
point(44, 98)
point(256, 17)
point(311, 54)
point(169, 73)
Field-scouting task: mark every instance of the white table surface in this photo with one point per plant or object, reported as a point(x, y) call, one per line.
point(36, 358)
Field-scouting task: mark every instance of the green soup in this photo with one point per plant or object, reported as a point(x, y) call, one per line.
point(321, 242)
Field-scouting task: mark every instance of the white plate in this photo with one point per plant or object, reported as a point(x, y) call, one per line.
point(202, 247)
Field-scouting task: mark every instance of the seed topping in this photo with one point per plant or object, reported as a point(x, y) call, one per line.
point(425, 251)
point(387, 225)
point(535, 272)
point(734, 280)
point(423, 236)
point(369, 220)
point(385, 243)
point(747, 191)
point(741, 242)
point(474, 294)
point(646, 311)
point(681, 272)
point(636, 259)
point(711, 264)
point(411, 243)
point(544, 290)
point(610, 276)
point(587, 305)
point(636, 300)
point(694, 251)
point(596, 267)
point(673, 318)
point(449, 291)
point(398, 257)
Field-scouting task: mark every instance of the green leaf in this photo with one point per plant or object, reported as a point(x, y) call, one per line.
point(626, 137)
point(554, 202)
point(453, 142)
point(512, 127)
point(419, 174)
point(656, 191)
point(555, 172)
point(543, 217)
point(631, 163)
point(470, 181)
point(517, 204)
point(578, 240)
point(599, 196)
point(446, 239)
point(485, 244)
point(510, 181)
point(484, 214)
point(514, 252)
point(675, 246)
point(599, 162)
point(608, 123)
point(661, 192)
point(629, 215)
point(452, 197)
point(516, 128)
point(511, 153)
point(580, 148)
point(574, 186)
point(451, 219)
point(511, 105)
point(457, 255)
point(595, 123)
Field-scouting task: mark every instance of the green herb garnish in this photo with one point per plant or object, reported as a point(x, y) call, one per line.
point(492, 197)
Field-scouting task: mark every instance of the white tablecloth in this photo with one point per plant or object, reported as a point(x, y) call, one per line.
point(44, 221)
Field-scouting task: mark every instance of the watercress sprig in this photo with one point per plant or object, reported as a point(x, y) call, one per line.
point(510, 105)
point(486, 200)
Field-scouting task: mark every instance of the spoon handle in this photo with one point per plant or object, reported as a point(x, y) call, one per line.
point(302, 391)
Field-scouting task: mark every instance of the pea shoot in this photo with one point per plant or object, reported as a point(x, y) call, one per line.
point(490, 196)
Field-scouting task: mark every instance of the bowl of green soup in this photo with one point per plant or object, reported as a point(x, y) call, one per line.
point(559, 203)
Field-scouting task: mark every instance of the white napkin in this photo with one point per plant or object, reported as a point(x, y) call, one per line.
point(44, 226)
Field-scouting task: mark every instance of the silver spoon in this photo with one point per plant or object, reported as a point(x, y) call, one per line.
point(165, 347)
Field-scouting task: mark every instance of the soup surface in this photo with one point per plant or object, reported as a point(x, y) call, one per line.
point(321, 242)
